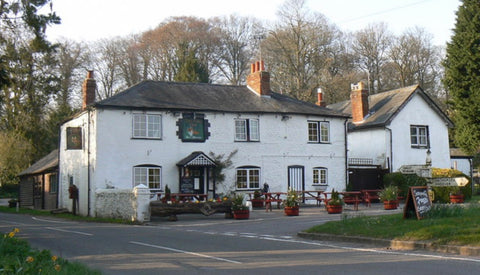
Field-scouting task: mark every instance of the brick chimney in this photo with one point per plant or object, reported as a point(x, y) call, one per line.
point(320, 102)
point(88, 90)
point(259, 80)
point(359, 99)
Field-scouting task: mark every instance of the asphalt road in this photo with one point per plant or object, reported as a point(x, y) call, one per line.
point(264, 244)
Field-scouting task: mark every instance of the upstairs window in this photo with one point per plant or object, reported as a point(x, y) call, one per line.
point(419, 136)
point(318, 132)
point(247, 130)
point(248, 178)
point(147, 126)
point(320, 176)
point(148, 175)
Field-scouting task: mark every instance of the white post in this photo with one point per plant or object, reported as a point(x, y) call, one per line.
point(142, 196)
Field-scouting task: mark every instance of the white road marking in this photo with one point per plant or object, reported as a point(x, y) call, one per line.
point(69, 231)
point(185, 252)
point(45, 220)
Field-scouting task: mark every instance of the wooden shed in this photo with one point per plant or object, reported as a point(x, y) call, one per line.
point(39, 183)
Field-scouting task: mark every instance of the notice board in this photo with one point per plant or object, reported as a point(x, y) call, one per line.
point(418, 202)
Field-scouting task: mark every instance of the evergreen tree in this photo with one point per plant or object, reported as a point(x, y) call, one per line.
point(190, 69)
point(462, 75)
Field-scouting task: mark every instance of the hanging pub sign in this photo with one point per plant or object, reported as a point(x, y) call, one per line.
point(74, 138)
point(193, 128)
point(418, 202)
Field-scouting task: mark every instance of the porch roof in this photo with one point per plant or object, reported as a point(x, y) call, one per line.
point(197, 159)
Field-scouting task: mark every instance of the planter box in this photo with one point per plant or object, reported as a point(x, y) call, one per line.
point(457, 198)
point(241, 214)
point(390, 205)
point(292, 210)
point(334, 209)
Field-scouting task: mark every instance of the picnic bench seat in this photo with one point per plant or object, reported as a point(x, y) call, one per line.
point(370, 196)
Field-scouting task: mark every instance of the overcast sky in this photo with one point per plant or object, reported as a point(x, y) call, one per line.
point(89, 20)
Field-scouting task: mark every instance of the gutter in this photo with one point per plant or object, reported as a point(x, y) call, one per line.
point(346, 152)
point(88, 164)
point(390, 168)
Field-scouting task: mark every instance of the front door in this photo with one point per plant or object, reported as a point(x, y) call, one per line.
point(197, 175)
point(296, 178)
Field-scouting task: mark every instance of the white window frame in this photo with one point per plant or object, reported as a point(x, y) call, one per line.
point(320, 176)
point(147, 126)
point(251, 173)
point(143, 174)
point(415, 133)
point(247, 129)
point(318, 131)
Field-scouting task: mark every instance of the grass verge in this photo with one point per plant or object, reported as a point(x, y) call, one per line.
point(445, 225)
point(17, 257)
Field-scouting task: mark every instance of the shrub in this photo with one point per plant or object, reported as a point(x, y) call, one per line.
point(442, 193)
point(403, 182)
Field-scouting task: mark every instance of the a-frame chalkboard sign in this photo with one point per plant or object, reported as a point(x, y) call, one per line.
point(418, 202)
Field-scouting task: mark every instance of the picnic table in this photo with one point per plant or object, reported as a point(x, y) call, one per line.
point(313, 195)
point(370, 195)
point(273, 197)
point(350, 197)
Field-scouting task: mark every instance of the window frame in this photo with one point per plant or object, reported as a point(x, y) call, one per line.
point(53, 184)
point(148, 129)
point(316, 133)
point(250, 130)
point(248, 177)
point(419, 136)
point(147, 180)
point(318, 177)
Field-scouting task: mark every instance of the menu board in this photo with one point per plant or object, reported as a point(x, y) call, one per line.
point(186, 186)
point(418, 202)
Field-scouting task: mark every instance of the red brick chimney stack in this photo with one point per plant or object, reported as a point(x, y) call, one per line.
point(88, 90)
point(359, 98)
point(320, 101)
point(259, 80)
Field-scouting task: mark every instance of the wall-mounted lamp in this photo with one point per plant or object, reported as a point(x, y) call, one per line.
point(285, 117)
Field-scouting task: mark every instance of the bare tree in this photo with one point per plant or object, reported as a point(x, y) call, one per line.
point(299, 49)
point(371, 47)
point(236, 47)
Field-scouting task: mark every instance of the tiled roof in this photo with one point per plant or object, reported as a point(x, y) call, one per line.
point(209, 97)
point(49, 162)
point(383, 107)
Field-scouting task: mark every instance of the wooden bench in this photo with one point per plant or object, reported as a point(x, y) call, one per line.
point(271, 198)
point(313, 195)
point(354, 197)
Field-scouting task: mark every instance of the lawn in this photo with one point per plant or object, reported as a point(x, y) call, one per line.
point(445, 224)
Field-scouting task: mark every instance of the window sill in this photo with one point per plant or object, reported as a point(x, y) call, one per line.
point(420, 147)
point(147, 138)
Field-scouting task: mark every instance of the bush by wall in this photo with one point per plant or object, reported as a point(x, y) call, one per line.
point(403, 182)
point(442, 193)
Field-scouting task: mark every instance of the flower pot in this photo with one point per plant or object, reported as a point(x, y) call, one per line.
point(241, 214)
point(457, 198)
point(292, 210)
point(390, 205)
point(334, 209)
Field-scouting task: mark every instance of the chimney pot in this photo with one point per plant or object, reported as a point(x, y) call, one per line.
point(259, 79)
point(320, 101)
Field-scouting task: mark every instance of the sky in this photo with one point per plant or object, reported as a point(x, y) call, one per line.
point(91, 20)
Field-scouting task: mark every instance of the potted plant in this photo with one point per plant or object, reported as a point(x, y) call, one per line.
point(239, 209)
point(335, 203)
point(389, 196)
point(456, 195)
point(292, 207)
point(257, 200)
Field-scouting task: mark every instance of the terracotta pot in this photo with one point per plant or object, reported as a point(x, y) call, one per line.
point(241, 214)
point(457, 198)
point(390, 205)
point(334, 209)
point(292, 210)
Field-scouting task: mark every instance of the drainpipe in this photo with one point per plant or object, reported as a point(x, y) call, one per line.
point(88, 164)
point(346, 152)
point(390, 168)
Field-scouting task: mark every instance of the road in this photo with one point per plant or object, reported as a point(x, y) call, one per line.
point(266, 244)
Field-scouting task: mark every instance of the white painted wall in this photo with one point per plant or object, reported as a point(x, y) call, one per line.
point(418, 112)
point(282, 143)
point(374, 143)
point(461, 164)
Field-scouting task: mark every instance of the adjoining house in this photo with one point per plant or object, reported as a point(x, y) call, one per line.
point(164, 133)
point(391, 129)
point(39, 183)
point(461, 161)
